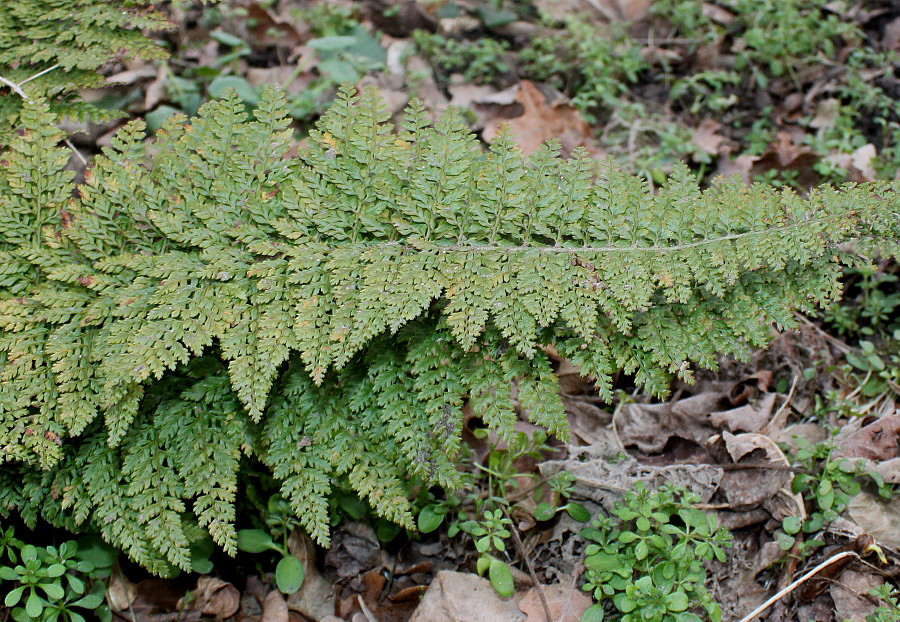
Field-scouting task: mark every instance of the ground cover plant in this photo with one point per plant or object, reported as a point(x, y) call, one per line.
point(209, 300)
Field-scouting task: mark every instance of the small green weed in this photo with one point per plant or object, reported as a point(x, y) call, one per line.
point(593, 68)
point(479, 61)
point(343, 51)
point(769, 39)
point(889, 610)
point(646, 561)
point(874, 307)
point(826, 486)
point(490, 494)
point(53, 583)
point(280, 522)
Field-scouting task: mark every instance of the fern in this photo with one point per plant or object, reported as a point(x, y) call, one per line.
point(212, 299)
point(53, 48)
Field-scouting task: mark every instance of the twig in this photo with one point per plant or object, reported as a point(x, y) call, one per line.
point(365, 610)
point(75, 151)
point(615, 427)
point(837, 343)
point(17, 88)
point(859, 387)
point(790, 588)
point(783, 407)
point(537, 585)
point(39, 74)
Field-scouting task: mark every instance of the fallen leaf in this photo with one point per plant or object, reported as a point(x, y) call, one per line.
point(215, 597)
point(879, 518)
point(279, 75)
point(541, 121)
point(275, 609)
point(315, 599)
point(787, 153)
point(717, 14)
point(877, 441)
point(746, 418)
point(849, 595)
point(650, 426)
point(705, 136)
point(120, 592)
point(464, 597)
point(566, 604)
point(155, 90)
point(891, 38)
point(610, 10)
point(759, 487)
point(399, 19)
point(270, 29)
point(131, 76)
point(827, 114)
point(742, 166)
point(156, 596)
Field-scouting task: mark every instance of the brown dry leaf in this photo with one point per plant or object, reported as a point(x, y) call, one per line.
point(705, 136)
point(717, 14)
point(889, 470)
point(541, 121)
point(879, 518)
point(215, 597)
point(156, 596)
point(788, 153)
point(753, 488)
point(464, 597)
point(566, 604)
point(466, 95)
point(130, 76)
point(258, 76)
point(827, 114)
point(400, 18)
point(878, 441)
point(275, 609)
point(315, 598)
point(858, 164)
point(891, 39)
point(120, 593)
point(812, 433)
point(849, 595)
point(650, 426)
point(742, 166)
point(155, 90)
point(610, 10)
point(270, 29)
point(746, 418)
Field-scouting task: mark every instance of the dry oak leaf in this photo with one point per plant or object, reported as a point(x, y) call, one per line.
point(542, 121)
point(215, 597)
point(275, 608)
point(705, 136)
point(566, 604)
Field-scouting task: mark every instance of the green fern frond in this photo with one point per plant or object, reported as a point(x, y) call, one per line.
point(332, 313)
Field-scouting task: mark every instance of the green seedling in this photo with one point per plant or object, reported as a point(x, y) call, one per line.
point(289, 573)
point(52, 583)
point(646, 560)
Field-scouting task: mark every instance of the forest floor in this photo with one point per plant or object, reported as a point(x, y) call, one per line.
point(794, 452)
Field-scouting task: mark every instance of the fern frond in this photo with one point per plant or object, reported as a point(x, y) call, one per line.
point(332, 313)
